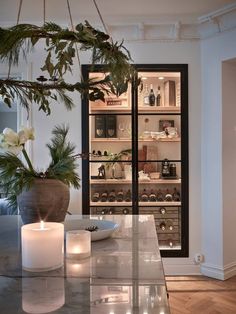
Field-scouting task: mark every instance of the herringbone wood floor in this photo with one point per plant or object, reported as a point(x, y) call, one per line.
point(201, 295)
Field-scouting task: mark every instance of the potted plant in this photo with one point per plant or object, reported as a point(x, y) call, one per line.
point(39, 195)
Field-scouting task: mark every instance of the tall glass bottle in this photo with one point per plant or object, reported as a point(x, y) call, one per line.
point(146, 96)
point(158, 97)
point(151, 96)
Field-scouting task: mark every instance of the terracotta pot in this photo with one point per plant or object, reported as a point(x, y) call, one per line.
point(47, 200)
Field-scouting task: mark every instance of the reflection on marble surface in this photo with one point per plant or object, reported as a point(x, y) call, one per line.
point(123, 275)
point(42, 295)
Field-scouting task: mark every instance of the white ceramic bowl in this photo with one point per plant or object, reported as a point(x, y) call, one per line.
point(105, 227)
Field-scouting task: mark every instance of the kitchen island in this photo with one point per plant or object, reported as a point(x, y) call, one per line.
point(124, 274)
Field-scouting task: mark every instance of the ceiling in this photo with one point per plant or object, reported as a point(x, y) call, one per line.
point(113, 11)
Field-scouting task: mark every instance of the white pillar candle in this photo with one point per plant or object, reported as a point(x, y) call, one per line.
point(42, 246)
point(78, 244)
point(42, 294)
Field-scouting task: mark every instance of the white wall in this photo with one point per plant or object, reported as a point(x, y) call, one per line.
point(213, 51)
point(229, 161)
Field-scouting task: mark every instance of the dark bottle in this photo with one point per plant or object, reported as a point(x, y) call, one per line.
point(111, 211)
point(163, 210)
point(125, 211)
point(160, 196)
point(168, 196)
point(176, 195)
point(120, 196)
point(152, 196)
point(112, 196)
point(170, 242)
point(158, 97)
point(169, 224)
point(165, 168)
point(128, 196)
point(172, 170)
point(151, 97)
point(144, 196)
point(104, 211)
point(104, 196)
point(95, 197)
point(162, 226)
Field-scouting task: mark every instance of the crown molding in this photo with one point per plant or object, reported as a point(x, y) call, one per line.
point(166, 30)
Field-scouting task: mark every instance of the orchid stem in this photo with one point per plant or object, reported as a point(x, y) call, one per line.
point(28, 160)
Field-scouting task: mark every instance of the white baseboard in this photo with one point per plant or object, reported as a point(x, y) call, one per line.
point(181, 269)
point(217, 272)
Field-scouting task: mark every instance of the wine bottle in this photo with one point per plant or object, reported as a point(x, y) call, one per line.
point(152, 196)
point(158, 97)
point(162, 226)
point(169, 225)
point(125, 211)
point(168, 196)
point(128, 196)
point(120, 196)
point(144, 196)
point(104, 196)
point(95, 197)
point(104, 211)
point(151, 97)
point(170, 242)
point(146, 96)
point(160, 196)
point(163, 210)
point(112, 196)
point(111, 211)
point(176, 195)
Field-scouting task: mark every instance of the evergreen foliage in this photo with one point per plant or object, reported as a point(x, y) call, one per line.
point(60, 45)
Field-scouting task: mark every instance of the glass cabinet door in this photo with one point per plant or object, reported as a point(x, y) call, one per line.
point(110, 154)
point(159, 153)
point(137, 148)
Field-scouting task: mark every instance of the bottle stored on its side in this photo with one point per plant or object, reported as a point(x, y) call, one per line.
point(169, 224)
point(111, 211)
point(125, 211)
point(158, 97)
point(170, 242)
point(162, 210)
point(151, 97)
point(95, 197)
point(104, 211)
point(162, 226)
point(112, 196)
point(176, 195)
point(160, 196)
point(168, 196)
point(152, 196)
point(144, 196)
point(128, 196)
point(120, 196)
point(104, 196)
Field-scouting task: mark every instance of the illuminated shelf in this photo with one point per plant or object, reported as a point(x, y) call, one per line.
point(126, 139)
point(162, 109)
point(146, 204)
point(124, 181)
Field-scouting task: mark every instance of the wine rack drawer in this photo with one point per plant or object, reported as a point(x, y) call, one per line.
point(111, 210)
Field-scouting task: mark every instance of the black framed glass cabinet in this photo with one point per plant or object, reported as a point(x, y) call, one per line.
point(137, 148)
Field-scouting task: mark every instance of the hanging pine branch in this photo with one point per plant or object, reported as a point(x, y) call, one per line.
point(19, 40)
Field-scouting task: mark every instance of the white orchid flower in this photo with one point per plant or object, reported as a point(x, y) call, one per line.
point(26, 134)
point(11, 137)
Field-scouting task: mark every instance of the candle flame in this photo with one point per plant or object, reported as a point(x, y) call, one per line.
point(41, 224)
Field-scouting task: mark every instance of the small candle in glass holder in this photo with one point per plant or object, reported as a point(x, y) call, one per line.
point(42, 246)
point(78, 244)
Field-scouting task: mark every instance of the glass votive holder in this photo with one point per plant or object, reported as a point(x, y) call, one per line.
point(78, 244)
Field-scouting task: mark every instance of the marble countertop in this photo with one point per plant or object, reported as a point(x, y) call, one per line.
point(124, 274)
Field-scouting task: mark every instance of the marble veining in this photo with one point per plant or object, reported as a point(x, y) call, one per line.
point(124, 274)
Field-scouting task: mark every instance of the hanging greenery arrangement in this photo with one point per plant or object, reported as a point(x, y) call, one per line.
point(60, 45)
